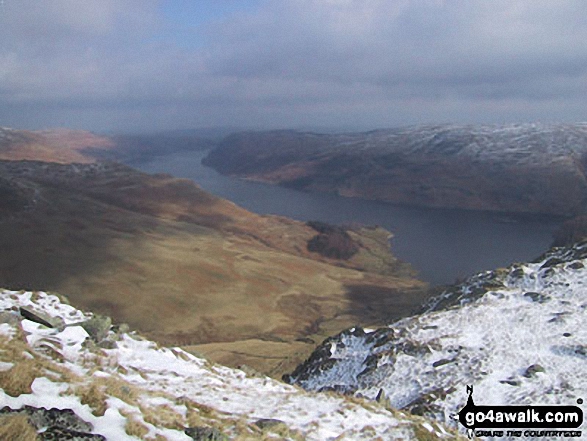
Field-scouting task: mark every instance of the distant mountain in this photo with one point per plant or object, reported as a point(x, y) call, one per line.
point(516, 334)
point(79, 146)
point(67, 374)
point(57, 145)
point(525, 168)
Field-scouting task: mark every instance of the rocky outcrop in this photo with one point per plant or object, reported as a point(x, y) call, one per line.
point(142, 391)
point(205, 434)
point(332, 241)
point(39, 317)
point(516, 333)
point(56, 424)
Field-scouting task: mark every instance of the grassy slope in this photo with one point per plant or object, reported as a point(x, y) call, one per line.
point(187, 268)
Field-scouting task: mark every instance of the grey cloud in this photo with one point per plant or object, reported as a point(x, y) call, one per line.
point(292, 62)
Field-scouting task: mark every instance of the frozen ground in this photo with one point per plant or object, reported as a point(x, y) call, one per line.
point(164, 390)
point(517, 335)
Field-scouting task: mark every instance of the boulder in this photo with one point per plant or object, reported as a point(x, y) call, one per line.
point(10, 318)
point(40, 317)
point(56, 424)
point(269, 423)
point(205, 434)
point(97, 327)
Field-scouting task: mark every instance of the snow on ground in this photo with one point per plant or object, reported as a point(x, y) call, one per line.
point(517, 335)
point(136, 375)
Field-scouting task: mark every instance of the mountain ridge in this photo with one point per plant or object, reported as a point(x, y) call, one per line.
point(524, 168)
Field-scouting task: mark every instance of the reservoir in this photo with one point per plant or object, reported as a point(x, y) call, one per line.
point(442, 245)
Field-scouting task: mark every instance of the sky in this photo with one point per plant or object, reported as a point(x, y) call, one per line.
point(151, 65)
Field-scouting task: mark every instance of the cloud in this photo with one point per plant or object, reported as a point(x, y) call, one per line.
point(293, 62)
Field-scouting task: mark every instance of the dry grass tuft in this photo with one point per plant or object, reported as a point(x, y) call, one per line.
point(16, 428)
point(157, 438)
point(94, 396)
point(19, 379)
point(28, 365)
point(163, 416)
point(134, 427)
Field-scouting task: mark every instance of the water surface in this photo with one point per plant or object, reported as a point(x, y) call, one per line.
point(443, 245)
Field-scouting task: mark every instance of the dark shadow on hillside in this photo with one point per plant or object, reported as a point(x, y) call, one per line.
point(383, 305)
point(73, 228)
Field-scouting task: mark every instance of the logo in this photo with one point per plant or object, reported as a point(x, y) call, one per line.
point(516, 421)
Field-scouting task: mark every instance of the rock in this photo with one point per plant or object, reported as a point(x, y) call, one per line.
point(381, 336)
point(424, 405)
point(60, 434)
point(532, 370)
point(108, 344)
point(576, 265)
point(553, 261)
point(40, 317)
point(537, 297)
point(10, 318)
point(56, 424)
point(442, 362)
point(269, 423)
point(97, 327)
point(205, 434)
point(121, 328)
point(510, 381)
point(517, 273)
point(580, 350)
point(559, 317)
point(382, 398)
point(342, 389)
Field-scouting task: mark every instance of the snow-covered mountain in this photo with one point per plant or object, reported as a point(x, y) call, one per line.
point(518, 335)
point(528, 168)
point(119, 386)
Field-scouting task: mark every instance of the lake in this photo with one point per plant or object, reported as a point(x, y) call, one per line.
point(442, 245)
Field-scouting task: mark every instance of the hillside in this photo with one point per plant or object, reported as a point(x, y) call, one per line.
point(78, 377)
point(517, 334)
point(58, 145)
point(187, 268)
point(67, 146)
point(526, 168)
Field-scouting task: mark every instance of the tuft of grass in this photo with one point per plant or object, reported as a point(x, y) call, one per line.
point(281, 431)
point(422, 434)
point(28, 365)
point(157, 438)
point(134, 427)
point(19, 379)
point(163, 416)
point(94, 396)
point(16, 428)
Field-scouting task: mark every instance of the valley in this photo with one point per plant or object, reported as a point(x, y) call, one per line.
point(188, 268)
point(262, 293)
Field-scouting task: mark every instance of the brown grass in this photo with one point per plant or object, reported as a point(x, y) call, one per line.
point(94, 396)
point(18, 380)
point(163, 416)
point(226, 275)
point(16, 428)
point(134, 427)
